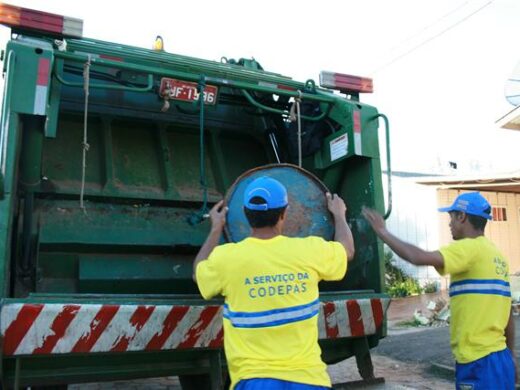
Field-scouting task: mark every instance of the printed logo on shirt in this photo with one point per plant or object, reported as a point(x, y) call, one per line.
point(261, 286)
point(500, 266)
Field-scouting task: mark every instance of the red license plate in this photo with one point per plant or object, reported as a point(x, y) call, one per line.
point(187, 91)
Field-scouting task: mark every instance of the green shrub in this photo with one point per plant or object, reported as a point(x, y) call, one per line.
point(430, 287)
point(397, 282)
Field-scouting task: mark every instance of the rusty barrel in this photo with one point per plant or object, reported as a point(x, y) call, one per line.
point(307, 213)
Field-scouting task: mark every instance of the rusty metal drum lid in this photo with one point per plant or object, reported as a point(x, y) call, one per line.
point(307, 214)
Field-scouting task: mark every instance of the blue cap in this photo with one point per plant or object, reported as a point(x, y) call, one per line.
point(269, 189)
point(470, 203)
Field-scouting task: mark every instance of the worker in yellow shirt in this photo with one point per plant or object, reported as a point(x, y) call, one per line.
point(270, 285)
point(482, 327)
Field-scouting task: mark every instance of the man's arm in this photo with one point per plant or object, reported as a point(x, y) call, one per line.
point(342, 233)
point(404, 250)
point(218, 220)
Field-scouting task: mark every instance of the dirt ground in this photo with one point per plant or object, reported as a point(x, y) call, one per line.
point(397, 374)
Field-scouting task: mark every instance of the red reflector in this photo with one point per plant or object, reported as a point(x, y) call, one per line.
point(40, 21)
point(111, 58)
point(346, 83)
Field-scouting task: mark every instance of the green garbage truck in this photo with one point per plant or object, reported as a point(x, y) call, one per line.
point(110, 157)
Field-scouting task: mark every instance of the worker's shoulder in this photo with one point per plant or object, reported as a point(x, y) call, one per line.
point(228, 247)
point(466, 245)
point(482, 246)
point(308, 241)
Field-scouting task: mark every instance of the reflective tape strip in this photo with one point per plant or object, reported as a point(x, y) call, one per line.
point(368, 316)
point(356, 118)
point(40, 329)
point(480, 286)
point(274, 317)
point(342, 319)
point(40, 100)
point(42, 86)
point(30, 329)
point(480, 281)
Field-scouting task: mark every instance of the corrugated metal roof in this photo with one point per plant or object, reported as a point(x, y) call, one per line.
point(507, 182)
point(511, 120)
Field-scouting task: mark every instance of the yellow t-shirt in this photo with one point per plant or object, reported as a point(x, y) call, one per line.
point(480, 297)
point(271, 304)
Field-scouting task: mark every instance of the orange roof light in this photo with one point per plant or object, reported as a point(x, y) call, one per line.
point(346, 83)
point(46, 22)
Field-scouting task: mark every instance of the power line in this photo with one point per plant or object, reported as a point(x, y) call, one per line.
point(427, 27)
point(418, 46)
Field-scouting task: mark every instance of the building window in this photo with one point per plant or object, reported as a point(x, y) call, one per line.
point(499, 214)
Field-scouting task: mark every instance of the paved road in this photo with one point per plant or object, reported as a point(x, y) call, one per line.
point(430, 345)
point(422, 345)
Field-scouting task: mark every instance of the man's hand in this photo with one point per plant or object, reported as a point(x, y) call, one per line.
point(217, 216)
point(342, 233)
point(336, 205)
point(374, 219)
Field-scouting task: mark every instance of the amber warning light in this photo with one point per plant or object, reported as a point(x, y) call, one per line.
point(346, 83)
point(45, 22)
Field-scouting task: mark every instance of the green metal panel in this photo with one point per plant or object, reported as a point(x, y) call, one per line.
point(10, 134)
point(53, 110)
point(64, 223)
point(25, 77)
point(106, 367)
point(135, 274)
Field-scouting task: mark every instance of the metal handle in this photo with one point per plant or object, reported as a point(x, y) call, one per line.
point(146, 88)
point(163, 72)
point(388, 164)
point(284, 112)
point(6, 113)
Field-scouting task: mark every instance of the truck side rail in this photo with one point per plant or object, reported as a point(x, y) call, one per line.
point(6, 113)
point(82, 58)
point(388, 164)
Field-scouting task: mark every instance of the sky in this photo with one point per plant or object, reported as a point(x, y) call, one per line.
point(439, 66)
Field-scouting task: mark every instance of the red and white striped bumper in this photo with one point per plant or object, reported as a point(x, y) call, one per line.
point(33, 329)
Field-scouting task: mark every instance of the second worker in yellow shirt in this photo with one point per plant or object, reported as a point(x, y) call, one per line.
point(481, 325)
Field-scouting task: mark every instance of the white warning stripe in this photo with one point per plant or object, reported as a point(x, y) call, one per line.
point(39, 330)
point(118, 328)
point(9, 314)
point(78, 328)
point(181, 332)
point(342, 319)
point(211, 331)
point(357, 144)
point(322, 333)
point(368, 316)
point(40, 100)
point(154, 325)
